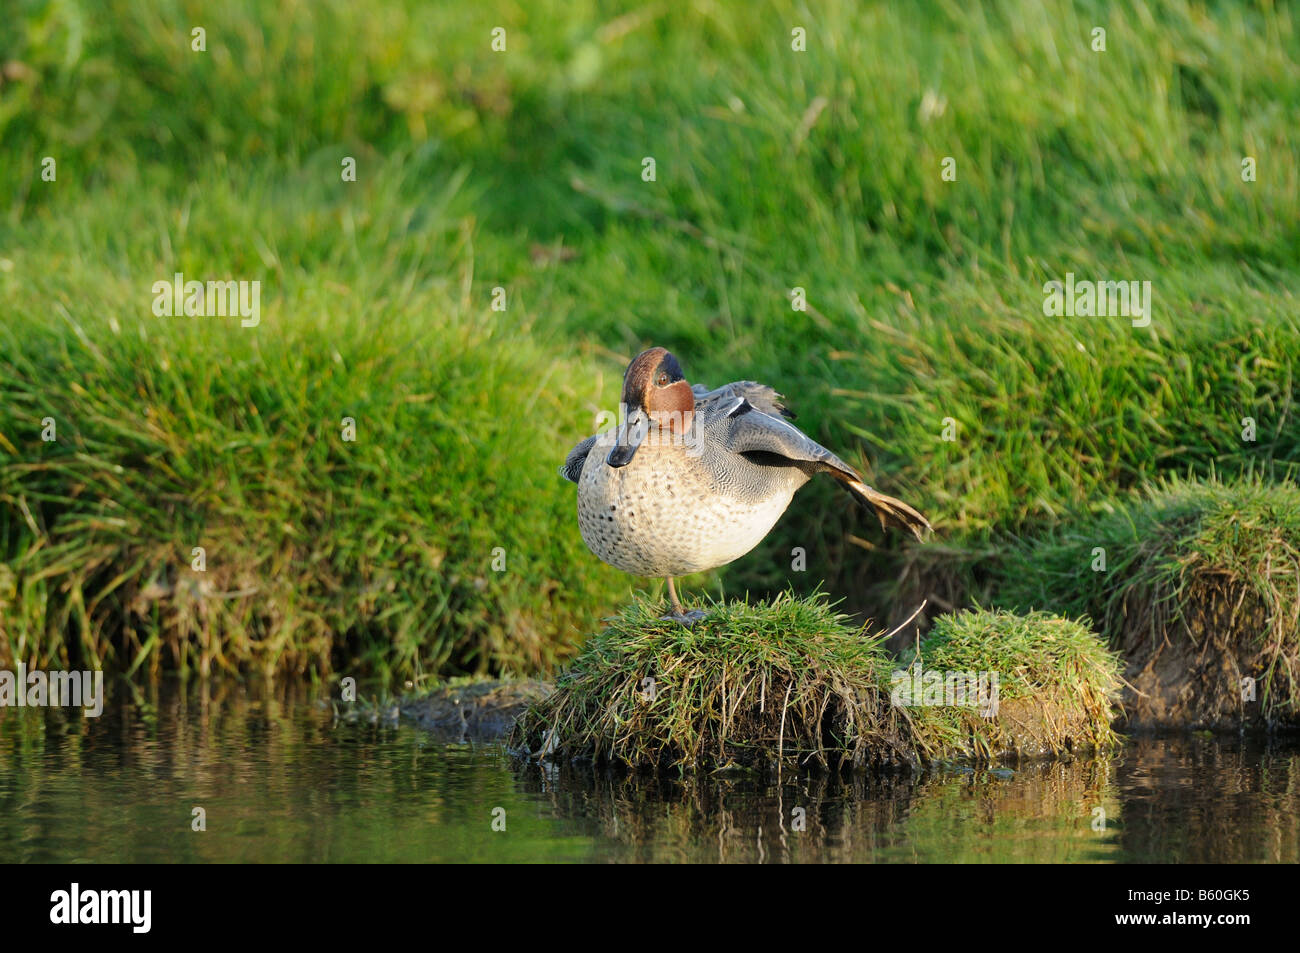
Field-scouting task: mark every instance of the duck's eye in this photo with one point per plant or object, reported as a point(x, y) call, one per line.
point(663, 379)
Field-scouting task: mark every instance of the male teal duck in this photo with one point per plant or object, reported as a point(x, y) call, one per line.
point(691, 479)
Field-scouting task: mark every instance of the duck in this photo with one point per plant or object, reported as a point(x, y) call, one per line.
point(691, 479)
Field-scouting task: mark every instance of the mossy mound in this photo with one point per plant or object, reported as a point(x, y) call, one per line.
point(1198, 587)
point(793, 683)
point(473, 708)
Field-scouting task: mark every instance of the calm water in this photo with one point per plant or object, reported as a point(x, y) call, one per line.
point(281, 779)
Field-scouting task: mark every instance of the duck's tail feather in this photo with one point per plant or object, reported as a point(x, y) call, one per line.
point(890, 511)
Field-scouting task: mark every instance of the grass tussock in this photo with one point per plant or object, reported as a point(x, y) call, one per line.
point(753, 684)
point(792, 684)
point(1200, 589)
point(1057, 686)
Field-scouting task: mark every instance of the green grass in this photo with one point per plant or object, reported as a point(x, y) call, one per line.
point(522, 169)
point(1208, 572)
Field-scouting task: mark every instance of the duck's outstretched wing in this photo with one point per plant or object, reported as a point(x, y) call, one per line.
point(744, 428)
point(577, 457)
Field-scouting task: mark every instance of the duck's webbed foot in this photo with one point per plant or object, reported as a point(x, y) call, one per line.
point(678, 614)
point(685, 617)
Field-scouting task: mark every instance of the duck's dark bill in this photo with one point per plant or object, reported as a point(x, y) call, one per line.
point(630, 433)
point(621, 455)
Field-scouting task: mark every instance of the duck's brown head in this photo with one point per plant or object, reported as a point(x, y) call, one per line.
point(655, 395)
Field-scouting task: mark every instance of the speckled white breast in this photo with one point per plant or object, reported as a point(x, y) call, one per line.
point(667, 514)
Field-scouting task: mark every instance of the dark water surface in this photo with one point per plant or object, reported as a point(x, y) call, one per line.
point(282, 779)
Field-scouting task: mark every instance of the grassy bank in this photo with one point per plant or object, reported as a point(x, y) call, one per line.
point(354, 476)
point(1197, 586)
point(523, 170)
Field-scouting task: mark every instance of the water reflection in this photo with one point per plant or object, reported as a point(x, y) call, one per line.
point(282, 778)
point(1210, 800)
point(1038, 813)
